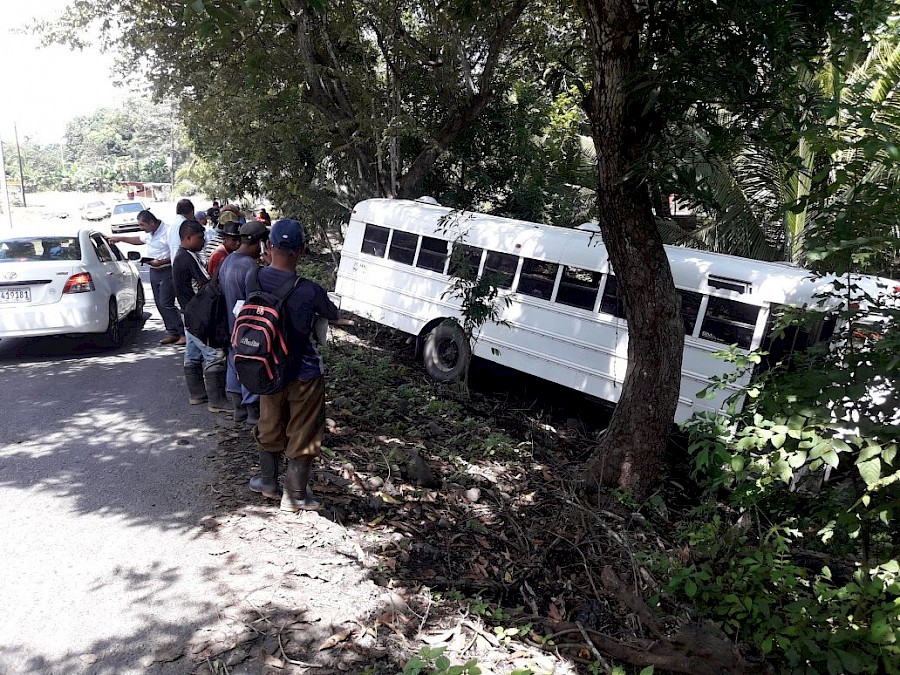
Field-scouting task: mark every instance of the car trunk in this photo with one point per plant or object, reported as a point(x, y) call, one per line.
point(35, 282)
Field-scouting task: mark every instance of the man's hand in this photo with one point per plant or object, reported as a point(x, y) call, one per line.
point(159, 262)
point(114, 240)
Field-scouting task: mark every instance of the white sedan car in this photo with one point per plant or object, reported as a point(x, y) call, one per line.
point(95, 211)
point(54, 284)
point(124, 217)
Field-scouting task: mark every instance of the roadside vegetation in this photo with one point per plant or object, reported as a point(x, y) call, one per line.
point(765, 540)
point(472, 504)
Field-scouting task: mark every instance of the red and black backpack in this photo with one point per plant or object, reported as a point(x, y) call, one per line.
point(258, 339)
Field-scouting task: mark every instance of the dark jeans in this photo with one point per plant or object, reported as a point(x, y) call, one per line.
point(164, 295)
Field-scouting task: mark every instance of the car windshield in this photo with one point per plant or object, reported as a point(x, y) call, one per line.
point(25, 249)
point(94, 205)
point(128, 208)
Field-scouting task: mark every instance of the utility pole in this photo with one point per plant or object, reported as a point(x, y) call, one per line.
point(7, 207)
point(21, 171)
point(172, 155)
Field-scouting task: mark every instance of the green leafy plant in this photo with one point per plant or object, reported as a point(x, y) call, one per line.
point(431, 661)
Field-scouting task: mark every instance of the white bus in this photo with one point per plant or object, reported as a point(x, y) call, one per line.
point(564, 321)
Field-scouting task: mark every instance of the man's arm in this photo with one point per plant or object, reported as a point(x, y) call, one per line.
point(134, 241)
point(182, 273)
point(324, 307)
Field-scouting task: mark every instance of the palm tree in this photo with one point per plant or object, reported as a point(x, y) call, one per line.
point(828, 154)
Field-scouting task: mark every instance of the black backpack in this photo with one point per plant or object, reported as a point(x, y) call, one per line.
point(206, 315)
point(260, 350)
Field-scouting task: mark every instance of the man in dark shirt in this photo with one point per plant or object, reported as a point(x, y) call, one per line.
point(292, 420)
point(213, 213)
point(232, 273)
point(204, 366)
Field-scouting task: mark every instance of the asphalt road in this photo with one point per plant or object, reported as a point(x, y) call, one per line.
point(103, 479)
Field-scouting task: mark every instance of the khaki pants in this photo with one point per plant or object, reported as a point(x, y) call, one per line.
point(292, 421)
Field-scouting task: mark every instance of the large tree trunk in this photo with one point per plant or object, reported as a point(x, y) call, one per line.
point(631, 452)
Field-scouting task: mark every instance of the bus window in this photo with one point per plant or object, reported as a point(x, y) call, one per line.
point(781, 345)
point(465, 262)
point(537, 278)
point(729, 321)
point(690, 308)
point(578, 288)
point(611, 302)
point(500, 268)
point(375, 240)
point(403, 247)
point(433, 254)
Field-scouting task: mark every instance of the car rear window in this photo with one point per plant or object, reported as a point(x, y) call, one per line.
point(127, 208)
point(26, 249)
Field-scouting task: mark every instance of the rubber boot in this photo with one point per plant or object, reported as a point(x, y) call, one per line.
point(193, 375)
point(266, 481)
point(252, 414)
point(240, 411)
point(296, 495)
point(214, 378)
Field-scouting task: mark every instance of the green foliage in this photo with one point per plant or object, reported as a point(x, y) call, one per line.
point(808, 621)
point(319, 108)
point(431, 661)
point(809, 570)
point(479, 295)
point(110, 145)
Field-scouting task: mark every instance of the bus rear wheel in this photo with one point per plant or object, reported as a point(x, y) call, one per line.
point(447, 352)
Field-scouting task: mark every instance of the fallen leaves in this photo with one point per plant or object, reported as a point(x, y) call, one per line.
point(335, 639)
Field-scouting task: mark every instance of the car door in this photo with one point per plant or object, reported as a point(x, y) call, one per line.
point(130, 273)
point(113, 277)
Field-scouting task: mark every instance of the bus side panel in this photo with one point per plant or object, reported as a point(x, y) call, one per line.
point(568, 347)
point(588, 353)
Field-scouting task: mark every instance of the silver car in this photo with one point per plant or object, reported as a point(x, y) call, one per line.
point(52, 284)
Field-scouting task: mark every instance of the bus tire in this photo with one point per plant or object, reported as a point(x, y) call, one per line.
point(447, 352)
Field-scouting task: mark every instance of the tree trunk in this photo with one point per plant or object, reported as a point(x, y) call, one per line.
point(631, 453)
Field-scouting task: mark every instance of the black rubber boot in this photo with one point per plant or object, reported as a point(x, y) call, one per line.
point(296, 495)
point(193, 375)
point(214, 378)
point(252, 414)
point(266, 482)
point(240, 411)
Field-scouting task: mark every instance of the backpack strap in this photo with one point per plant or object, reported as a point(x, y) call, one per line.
point(284, 291)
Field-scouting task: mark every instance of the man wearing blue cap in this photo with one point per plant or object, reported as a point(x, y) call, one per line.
point(292, 420)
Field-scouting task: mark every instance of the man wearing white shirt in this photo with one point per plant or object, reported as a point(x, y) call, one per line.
point(155, 234)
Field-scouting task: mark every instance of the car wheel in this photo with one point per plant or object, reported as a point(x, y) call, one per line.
point(138, 312)
point(113, 333)
point(447, 352)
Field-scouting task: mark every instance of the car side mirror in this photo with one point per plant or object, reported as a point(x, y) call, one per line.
point(134, 255)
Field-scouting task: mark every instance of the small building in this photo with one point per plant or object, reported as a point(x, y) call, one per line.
point(156, 192)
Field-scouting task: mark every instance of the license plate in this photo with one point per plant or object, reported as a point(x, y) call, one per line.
point(15, 294)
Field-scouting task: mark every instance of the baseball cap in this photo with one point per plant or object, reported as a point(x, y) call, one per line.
point(254, 230)
point(200, 215)
point(287, 234)
point(227, 217)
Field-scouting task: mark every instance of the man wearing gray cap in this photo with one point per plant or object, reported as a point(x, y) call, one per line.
point(292, 421)
point(233, 271)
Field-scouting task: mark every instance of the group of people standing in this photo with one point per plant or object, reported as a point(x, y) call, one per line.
point(245, 255)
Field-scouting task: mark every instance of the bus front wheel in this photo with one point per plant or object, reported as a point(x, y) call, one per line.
point(447, 352)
